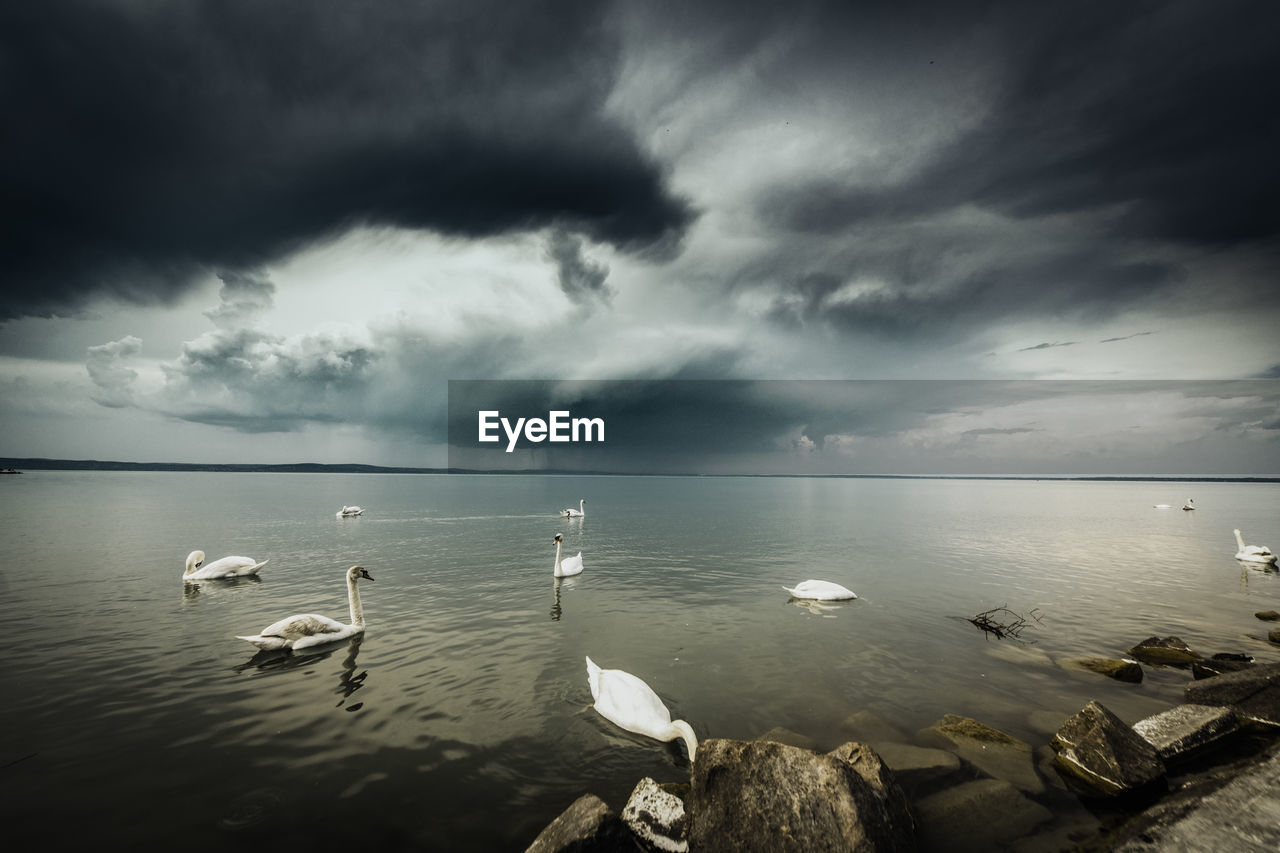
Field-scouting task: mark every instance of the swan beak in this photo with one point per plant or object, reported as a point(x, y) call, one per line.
point(365, 575)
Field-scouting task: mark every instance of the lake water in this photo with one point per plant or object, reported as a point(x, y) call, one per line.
point(461, 719)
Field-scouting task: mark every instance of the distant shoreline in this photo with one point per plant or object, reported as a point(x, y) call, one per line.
point(41, 464)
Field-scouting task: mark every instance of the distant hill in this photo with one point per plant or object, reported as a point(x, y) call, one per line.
point(20, 464)
point(295, 468)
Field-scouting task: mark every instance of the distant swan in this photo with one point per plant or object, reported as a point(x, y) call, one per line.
point(349, 511)
point(227, 567)
point(570, 565)
point(629, 703)
point(580, 512)
point(308, 629)
point(1252, 553)
point(1163, 506)
point(1190, 504)
point(821, 591)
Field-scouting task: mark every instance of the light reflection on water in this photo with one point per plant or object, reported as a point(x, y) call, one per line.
point(139, 714)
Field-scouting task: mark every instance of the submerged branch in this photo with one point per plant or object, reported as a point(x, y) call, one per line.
point(990, 621)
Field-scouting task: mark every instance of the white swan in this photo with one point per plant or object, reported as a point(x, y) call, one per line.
point(350, 512)
point(1190, 504)
point(308, 629)
point(570, 565)
point(1162, 506)
point(580, 512)
point(821, 591)
point(1252, 553)
point(629, 703)
point(227, 567)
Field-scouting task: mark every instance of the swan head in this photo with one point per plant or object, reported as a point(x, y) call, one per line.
point(355, 573)
point(558, 539)
point(194, 560)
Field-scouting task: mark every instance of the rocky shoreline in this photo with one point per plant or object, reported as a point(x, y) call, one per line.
point(963, 785)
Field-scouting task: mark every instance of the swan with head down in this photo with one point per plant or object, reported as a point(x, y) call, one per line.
point(227, 567)
point(821, 591)
point(1252, 553)
point(309, 629)
point(629, 703)
point(580, 512)
point(569, 565)
point(349, 512)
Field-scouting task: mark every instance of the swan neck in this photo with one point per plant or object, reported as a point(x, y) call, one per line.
point(353, 596)
point(683, 730)
point(1239, 540)
point(557, 568)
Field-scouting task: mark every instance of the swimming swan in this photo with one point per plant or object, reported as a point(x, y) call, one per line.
point(1162, 506)
point(227, 567)
point(350, 512)
point(308, 629)
point(821, 591)
point(1252, 553)
point(1190, 504)
point(629, 703)
point(570, 565)
point(580, 512)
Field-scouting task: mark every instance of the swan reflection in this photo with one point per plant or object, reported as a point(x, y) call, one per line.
point(191, 590)
point(818, 608)
point(273, 661)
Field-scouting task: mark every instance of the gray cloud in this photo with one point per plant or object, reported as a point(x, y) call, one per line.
point(113, 380)
point(1047, 345)
point(581, 279)
point(1125, 337)
point(161, 140)
point(243, 295)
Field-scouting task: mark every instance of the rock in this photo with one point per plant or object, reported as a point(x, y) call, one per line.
point(767, 796)
point(657, 818)
point(1121, 669)
point(587, 826)
point(915, 766)
point(871, 728)
point(790, 738)
point(1209, 668)
point(1180, 732)
point(1274, 636)
point(1253, 693)
point(1170, 651)
point(990, 750)
point(1103, 756)
point(884, 784)
point(977, 816)
point(1267, 615)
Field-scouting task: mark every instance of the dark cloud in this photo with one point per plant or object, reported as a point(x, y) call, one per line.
point(1125, 337)
point(580, 278)
point(1047, 345)
point(156, 141)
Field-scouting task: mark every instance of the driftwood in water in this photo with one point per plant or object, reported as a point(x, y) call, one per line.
point(990, 621)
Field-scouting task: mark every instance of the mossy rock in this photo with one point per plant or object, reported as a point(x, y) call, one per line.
point(1268, 615)
point(1169, 651)
point(1121, 670)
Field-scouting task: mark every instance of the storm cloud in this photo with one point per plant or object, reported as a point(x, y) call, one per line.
point(157, 141)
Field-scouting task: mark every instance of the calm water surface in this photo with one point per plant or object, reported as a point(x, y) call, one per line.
point(461, 719)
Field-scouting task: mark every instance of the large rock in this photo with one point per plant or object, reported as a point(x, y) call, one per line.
point(1219, 665)
point(587, 826)
point(1268, 615)
point(657, 818)
point(1103, 756)
point(1253, 693)
point(767, 796)
point(977, 816)
point(1121, 669)
point(1181, 732)
point(990, 750)
point(1169, 651)
point(884, 784)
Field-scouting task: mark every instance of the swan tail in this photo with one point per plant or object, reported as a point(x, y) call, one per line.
point(254, 569)
point(792, 591)
point(264, 642)
point(593, 678)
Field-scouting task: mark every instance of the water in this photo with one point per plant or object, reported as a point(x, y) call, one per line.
point(461, 720)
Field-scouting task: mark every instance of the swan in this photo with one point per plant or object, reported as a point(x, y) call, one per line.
point(628, 702)
point(570, 565)
point(1252, 553)
point(580, 512)
point(308, 629)
point(1162, 506)
point(821, 591)
point(350, 511)
point(1190, 504)
point(227, 567)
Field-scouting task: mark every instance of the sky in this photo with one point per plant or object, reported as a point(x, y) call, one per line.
point(273, 232)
